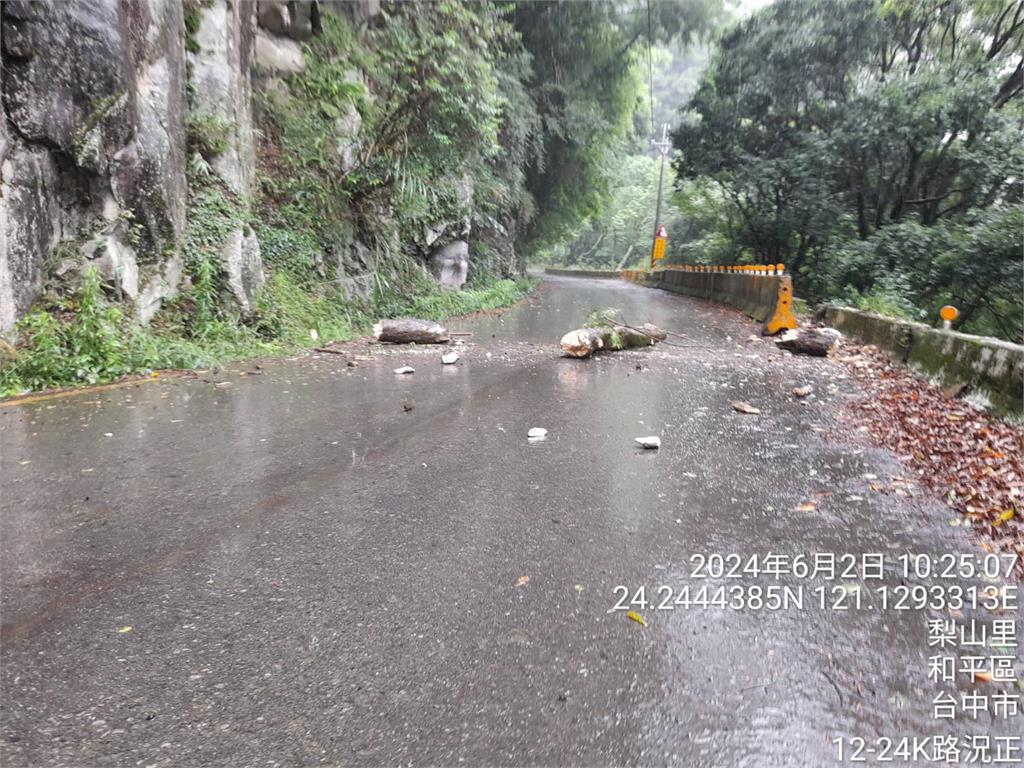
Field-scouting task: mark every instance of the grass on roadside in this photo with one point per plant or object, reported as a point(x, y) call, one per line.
point(85, 340)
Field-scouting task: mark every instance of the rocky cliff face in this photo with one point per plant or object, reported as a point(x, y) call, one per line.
point(220, 58)
point(93, 153)
point(102, 102)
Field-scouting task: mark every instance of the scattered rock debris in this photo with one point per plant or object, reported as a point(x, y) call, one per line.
point(816, 342)
point(742, 407)
point(537, 433)
point(803, 391)
point(650, 442)
point(404, 370)
point(450, 359)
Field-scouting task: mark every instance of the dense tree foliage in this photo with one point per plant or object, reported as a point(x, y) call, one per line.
point(589, 80)
point(422, 101)
point(874, 147)
point(505, 117)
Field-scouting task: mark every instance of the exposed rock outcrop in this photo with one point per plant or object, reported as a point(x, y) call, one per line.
point(278, 55)
point(360, 11)
point(109, 107)
point(223, 49)
point(450, 264)
point(96, 101)
point(240, 258)
point(94, 116)
point(347, 127)
point(297, 20)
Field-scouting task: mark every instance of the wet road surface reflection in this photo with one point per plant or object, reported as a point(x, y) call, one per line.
point(294, 567)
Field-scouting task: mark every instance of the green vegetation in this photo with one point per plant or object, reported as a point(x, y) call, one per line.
point(868, 144)
point(614, 225)
point(622, 228)
point(874, 147)
point(87, 340)
point(411, 157)
point(589, 88)
point(192, 19)
point(417, 149)
point(207, 135)
point(603, 318)
point(100, 108)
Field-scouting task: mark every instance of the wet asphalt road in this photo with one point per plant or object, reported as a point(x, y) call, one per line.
point(314, 575)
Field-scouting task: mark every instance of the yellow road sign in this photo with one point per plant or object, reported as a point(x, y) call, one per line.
point(659, 248)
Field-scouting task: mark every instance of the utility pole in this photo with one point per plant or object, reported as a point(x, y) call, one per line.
point(663, 146)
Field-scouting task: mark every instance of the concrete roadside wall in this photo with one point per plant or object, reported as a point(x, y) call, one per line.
point(764, 293)
point(640, 276)
point(755, 295)
point(609, 273)
point(992, 369)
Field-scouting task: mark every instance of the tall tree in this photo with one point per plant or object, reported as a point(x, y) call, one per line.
point(829, 124)
point(587, 85)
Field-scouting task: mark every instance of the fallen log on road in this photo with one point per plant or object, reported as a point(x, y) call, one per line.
point(410, 330)
point(583, 342)
point(651, 330)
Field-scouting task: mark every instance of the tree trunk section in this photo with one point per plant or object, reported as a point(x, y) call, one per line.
point(409, 330)
point(584, 342)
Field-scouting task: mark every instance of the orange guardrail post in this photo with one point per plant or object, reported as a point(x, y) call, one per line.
point(782, 317)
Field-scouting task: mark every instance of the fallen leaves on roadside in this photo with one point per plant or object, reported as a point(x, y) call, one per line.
point(637, 618)
point(807, 506)
point(802, 391)
point(522, 580)
point(124, 630)
point(742, 407)
point(974, 460)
